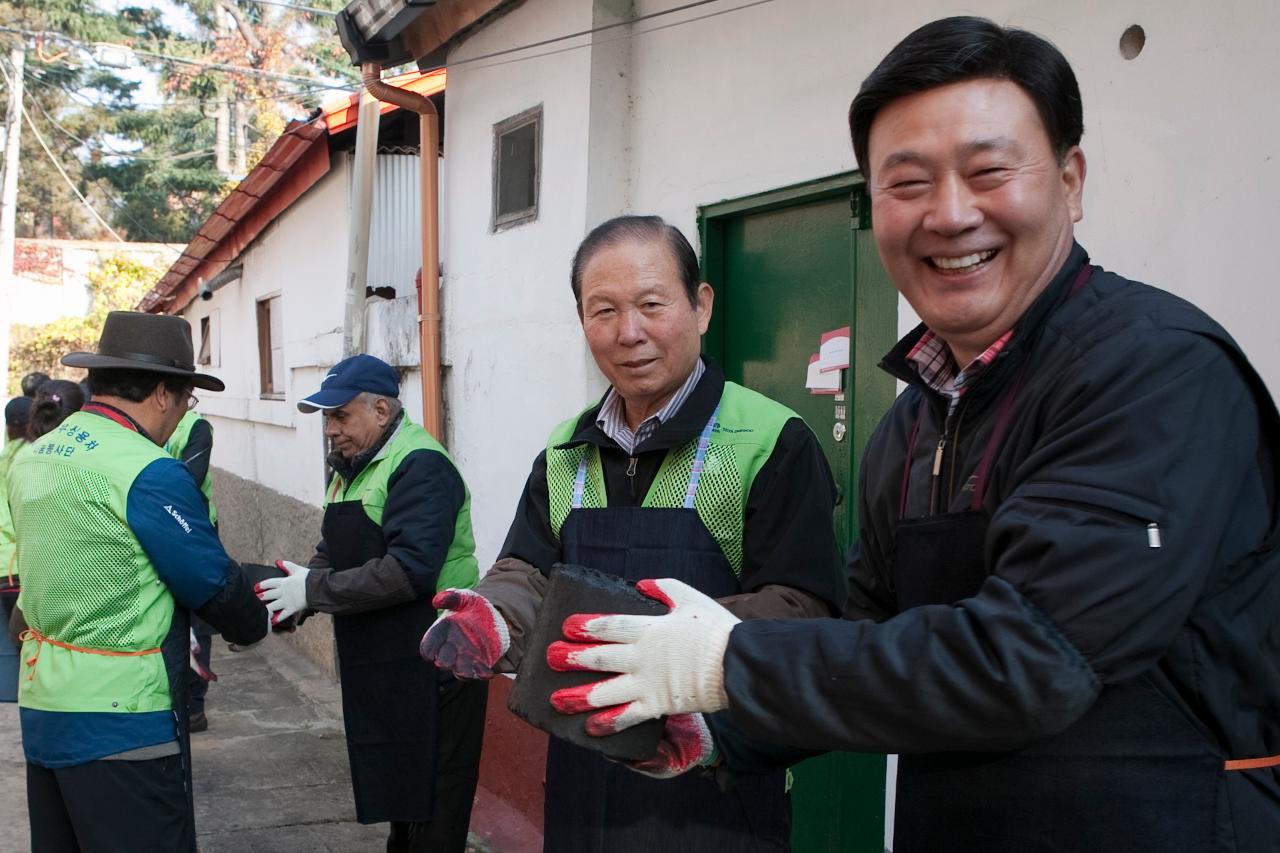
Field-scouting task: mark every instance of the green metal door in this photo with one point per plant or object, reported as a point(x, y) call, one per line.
point(788, 266)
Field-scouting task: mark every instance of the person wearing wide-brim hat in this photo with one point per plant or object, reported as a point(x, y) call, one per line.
point(115, 552)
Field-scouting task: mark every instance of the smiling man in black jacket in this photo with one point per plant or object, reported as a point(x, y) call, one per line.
point(1064, 600)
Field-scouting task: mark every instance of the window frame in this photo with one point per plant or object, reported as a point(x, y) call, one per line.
point(266, 374)
point(502, 221)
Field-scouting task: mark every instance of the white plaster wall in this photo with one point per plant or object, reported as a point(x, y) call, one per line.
point(1183, 188)
point(518, 364)
point(36, 301)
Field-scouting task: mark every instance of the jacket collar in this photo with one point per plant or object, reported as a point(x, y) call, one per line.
point(1025, 333)
point(349, 469)
point(685, 425)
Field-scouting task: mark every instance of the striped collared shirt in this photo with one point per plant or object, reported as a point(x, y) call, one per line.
point(933, 360)
point(612, 419)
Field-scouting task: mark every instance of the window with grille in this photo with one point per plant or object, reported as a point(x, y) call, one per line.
point(517, 161)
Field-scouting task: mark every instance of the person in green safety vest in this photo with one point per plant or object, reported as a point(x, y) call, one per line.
point(192, 445)
point(675, 469)
point(115, 551)
point(397, 528)
point(16, 412)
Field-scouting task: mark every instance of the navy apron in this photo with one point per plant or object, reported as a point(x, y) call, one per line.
point(389, 694)
point(594, 805)
point(1133, 774)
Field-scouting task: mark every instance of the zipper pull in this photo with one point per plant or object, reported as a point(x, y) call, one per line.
point(1153, 535)
point(937, 476)
point(631, 475)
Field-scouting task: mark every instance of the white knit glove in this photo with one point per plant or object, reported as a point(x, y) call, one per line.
point(670, 664)
point(287, 595)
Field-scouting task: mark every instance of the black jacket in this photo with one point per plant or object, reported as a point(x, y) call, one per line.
point(1135, 409)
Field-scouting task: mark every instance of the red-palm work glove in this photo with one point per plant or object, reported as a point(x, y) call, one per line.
point(669, 664)
point(469, 636)
point(686, 743)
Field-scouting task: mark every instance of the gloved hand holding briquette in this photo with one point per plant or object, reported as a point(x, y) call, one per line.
point(468, 638)
point(659, 665)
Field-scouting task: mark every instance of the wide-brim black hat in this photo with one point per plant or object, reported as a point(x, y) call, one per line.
point(156, 343)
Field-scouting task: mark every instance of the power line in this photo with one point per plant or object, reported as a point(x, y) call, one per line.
point(311, 9)
point(556, 39)
point(54, 160)
point(80, 98)
point(112, 152)
point(220, 66)
point(623, 37)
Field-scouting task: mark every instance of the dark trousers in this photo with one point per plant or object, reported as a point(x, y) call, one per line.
point(110, 807)
point(461, 727)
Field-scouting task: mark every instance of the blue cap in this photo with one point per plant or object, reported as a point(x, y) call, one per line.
point(15, 413)
point(348, 378)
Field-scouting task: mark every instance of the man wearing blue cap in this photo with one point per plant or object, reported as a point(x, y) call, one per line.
point(397, 527)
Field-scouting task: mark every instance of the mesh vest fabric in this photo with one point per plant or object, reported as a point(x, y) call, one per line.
point(8, 544)
point(744, 437)
point(86, 580)
point(460, 569)
point(177, 443)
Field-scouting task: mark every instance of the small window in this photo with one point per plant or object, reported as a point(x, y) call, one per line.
point(517, 158)
point(271, 348)
point(206, 342)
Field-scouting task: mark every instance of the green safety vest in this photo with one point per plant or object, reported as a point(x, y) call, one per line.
point(745, 433)
point(86, 582)
point(8, 544)
point(178, 443)
point(460, 569)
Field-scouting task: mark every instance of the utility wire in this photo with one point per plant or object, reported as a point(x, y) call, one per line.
point(311, 9)
point(220, 66)
point(54, 160)
point(623, 37)
point(113, 152)
point(556, 39)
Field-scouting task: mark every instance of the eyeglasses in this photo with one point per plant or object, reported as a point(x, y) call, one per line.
point(192, 401)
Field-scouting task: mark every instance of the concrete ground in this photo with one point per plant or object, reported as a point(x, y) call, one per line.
point(270, 773)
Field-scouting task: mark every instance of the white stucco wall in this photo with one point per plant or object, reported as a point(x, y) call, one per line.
point(1183, 183)
point(60, 285)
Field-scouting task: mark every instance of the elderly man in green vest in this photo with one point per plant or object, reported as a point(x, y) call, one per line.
point(397, 527)
point(115, 551)
point(678, 467)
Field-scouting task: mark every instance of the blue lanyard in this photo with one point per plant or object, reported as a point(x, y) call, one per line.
point(695, 475)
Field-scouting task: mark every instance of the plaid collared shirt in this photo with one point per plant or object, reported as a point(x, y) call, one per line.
point(933, 360)
point(612, 419)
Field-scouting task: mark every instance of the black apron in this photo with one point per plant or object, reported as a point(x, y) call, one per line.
point(389, 694)
point(594, 805)
point(1133, 774)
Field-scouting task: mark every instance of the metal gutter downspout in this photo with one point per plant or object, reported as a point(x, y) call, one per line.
point(366, 162)
point(429, 287)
